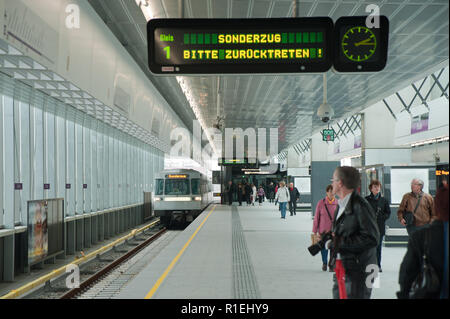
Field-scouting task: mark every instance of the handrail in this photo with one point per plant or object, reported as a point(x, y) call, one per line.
point(42, 280)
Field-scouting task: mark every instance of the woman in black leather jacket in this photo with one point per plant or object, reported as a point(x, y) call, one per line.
point(411, 264)
point(382, 211)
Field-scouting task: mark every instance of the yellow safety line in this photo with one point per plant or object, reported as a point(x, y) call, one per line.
point(25, 288)
point(174, 261)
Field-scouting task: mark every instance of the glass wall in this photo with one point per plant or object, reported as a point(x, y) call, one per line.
point(51, 150)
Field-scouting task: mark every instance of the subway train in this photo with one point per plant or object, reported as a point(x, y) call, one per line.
point(181, 195)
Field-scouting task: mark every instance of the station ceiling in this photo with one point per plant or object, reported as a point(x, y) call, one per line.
point(418, 45)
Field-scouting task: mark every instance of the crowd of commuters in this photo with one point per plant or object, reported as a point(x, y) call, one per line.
point(354, 227)
point(250, 194)
point(357, 228)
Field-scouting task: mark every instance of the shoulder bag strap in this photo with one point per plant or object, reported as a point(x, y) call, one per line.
point(418, 202)
point(328, 212)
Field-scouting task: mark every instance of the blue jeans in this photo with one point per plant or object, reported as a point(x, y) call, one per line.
point(324, 253)
point(283, 209)
point(379, 250)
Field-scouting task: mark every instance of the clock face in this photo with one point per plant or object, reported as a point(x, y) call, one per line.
point(359, 44)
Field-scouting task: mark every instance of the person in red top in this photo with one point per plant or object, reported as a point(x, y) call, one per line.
point(323, 220)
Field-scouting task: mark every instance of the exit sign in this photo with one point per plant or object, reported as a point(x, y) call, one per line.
point(328, 135)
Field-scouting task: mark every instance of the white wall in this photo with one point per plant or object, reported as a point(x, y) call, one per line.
point(90, 57)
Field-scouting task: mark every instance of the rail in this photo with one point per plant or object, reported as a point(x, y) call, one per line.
point(57, 272)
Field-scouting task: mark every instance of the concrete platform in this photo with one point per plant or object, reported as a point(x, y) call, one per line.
point(245, 252)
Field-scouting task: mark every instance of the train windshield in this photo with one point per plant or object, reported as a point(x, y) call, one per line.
point(159, 187)
point(177, 187)
point(195, 184)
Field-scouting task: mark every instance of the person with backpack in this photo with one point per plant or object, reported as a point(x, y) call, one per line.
point(323, 220)
point(282, 197)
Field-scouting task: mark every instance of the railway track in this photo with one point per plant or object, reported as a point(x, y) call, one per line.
point(95, 270)
point(96, 277)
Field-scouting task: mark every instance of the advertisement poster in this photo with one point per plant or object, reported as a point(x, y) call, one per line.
point(419, 123)
point(37, 231)
point(357, 142)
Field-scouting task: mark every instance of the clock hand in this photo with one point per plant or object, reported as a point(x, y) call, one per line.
point(362, 42)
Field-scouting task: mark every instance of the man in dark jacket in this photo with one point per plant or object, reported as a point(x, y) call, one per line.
point(355, 237)
point(382, 211)
point(248, 192)
point(230, 190)
point(294, 195)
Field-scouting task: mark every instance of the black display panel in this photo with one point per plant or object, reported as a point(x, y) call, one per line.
point(217, 46)
point(359, 48)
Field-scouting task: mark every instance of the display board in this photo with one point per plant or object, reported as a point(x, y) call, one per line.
point(211, 46)
point(359, 47)
point(328, 135)
point(401, 181)
point(37, 231)
point(45, 229)
point(303, 184)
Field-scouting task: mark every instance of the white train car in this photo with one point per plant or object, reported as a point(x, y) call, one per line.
point(181, 195)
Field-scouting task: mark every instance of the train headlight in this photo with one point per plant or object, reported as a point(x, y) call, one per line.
point(197, 198)
point(158, 198)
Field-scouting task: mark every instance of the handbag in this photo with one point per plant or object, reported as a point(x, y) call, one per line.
point(408, 216)
point(427, 281)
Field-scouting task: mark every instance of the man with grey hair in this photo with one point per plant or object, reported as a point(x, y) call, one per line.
point(417, 208)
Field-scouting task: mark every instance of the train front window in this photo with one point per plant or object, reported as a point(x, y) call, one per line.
point(195, 184)
point(177, 187)
point(159, 187)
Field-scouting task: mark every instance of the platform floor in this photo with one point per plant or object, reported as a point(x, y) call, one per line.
point(246, 252)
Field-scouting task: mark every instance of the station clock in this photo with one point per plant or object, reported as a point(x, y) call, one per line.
point(359, 47)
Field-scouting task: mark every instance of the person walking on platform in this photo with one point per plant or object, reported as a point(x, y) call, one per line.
point(254, 192)
point(229, 190)
point(260, 195)
point(355, 237)
point(248, 193)
point(294, 194)
point(432, 241)
point(382, 211)
point(241, 193)
point(416, 208)
point(271, 192)
point(323, 220)
point(282, 197)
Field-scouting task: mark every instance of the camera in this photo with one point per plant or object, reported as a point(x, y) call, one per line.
point(314, 249)
point(325, 112)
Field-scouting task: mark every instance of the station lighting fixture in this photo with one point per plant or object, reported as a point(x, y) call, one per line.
point(177, 199)
point(430, 141)
point(195, 108)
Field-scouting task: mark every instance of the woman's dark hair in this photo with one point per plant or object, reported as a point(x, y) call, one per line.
point(374, 182)
point(329, 187)
point(349, 176)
